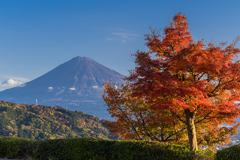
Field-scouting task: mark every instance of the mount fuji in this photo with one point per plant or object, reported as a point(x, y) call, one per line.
point(76, 85)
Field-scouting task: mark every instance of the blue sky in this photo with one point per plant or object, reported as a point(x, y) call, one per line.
point(37, 36)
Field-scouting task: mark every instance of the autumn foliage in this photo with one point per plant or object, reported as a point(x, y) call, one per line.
point(188, 86)
point(135, 120)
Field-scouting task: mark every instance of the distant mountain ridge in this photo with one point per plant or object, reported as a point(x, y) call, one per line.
point(76, 84)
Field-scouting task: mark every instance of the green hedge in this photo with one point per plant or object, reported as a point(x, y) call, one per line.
point(231, 153)
point(96, 149)
point(14, 147)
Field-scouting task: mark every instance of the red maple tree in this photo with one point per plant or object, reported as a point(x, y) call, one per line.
point(197, 83)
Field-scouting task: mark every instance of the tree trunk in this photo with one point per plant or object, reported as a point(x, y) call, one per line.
point(192, 138)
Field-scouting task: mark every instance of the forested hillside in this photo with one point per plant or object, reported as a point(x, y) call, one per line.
point(46, 122)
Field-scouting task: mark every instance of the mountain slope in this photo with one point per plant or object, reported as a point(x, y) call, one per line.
point(76, 84)
point(45, 122)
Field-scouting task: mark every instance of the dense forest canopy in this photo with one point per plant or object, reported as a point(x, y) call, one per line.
point(46, 122)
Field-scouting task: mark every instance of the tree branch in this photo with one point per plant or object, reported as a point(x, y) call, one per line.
point(203, 118)
point(130, 122)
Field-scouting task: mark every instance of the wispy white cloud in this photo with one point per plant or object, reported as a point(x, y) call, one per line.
point(12, 83)
point(50, 88)
point(109, 39)
point(125, 35)
point(95, 87)
point(122, 36)
point(72, 89)
point(16, 78)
